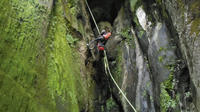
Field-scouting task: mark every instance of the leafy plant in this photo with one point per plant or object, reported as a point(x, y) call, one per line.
point(72, 5)
point(166, 99)
point(110, 104)
point(126, 34)
point(72, 41)
point(188, 94)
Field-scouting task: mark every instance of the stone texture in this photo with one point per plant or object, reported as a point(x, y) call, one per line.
point(185, 19)
point(153, 55)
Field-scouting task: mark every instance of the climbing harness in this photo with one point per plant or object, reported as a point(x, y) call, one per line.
point(107, 69)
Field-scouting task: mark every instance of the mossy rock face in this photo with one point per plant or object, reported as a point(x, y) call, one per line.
point(184, 19)
point(22, 56)
point(39, 70)
point(195, 27)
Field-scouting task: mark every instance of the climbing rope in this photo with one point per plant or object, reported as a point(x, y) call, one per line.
point(107, 69)
point(92, 16)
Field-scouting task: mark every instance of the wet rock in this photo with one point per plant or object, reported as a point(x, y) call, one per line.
point(144, 91)
point(153, 42)
point(186, 22)
point(142, 18)
point(161, 53)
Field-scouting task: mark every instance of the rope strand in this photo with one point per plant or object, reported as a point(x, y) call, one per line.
point(92, 17)
point(107, 66)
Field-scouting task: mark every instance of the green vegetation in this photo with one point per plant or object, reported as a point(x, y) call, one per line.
point(110, 103)
point(167, 100)
point(38, 72)
point(126, 34)
point(163, 10)
point(162, 49)
point(133, 4)
point(72, 5)
point(140, 30)
point(188, 94)
point(71, 10)
point(195, 23)
point(159, 2)
point(117, 71)
point(195, 26)
point(62, 71)
point(22, 56)
point(180, 4)
point(72, 41)
point(160, 58)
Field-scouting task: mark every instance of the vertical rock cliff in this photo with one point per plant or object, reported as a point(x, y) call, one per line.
point(42, 59)
point(153, 54)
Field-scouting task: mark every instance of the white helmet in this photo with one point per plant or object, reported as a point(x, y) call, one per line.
point(103, 31)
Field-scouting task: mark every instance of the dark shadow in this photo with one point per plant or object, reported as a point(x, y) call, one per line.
point(104, 10)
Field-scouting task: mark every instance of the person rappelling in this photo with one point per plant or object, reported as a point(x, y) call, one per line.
point(101, 41)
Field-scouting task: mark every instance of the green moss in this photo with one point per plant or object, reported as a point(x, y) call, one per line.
point(195, 26)
point(110, 104)
point(126, 34)
point(194, 7)
point(132, 4)
point(117, 71)
point(63, 72)
point(71, 11)
point(159, 2)
point(39, 73)
point(162, 49)
point(135, 4)
point(72, 41)
point(180, 4)
point(14, 98)
point(21, 54)
point(72, 3)
point(160, 58)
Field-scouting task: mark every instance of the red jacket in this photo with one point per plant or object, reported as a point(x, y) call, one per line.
point(107, 35)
